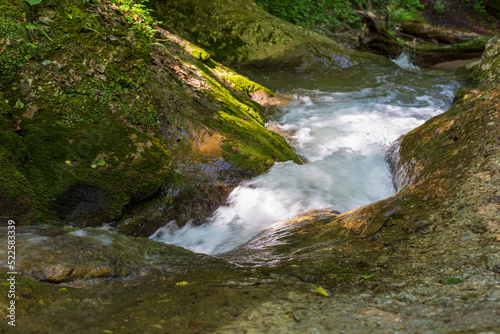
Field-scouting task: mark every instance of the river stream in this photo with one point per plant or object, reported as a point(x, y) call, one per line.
point(342, 125)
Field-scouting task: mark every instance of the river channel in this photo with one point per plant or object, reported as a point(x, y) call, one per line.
point(342, 126)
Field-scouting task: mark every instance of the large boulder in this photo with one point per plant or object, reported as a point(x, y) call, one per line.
point(240, 33)
point(96, 118)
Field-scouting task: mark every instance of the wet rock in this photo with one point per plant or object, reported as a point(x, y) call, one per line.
point(81, 204)
point(59, 255)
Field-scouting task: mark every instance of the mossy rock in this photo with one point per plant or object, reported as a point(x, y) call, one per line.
point(484, 73)
point(73, 254)
point(85, 175)
point(241, 33)
point(200, 54)
point(97, 117)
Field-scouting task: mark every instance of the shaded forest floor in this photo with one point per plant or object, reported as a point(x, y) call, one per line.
point(462, 16)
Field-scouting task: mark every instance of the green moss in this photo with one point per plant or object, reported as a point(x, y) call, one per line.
point(475, 45)
point(248, 143)
point(88, 105)
point(94, 107)
point(243, 84)
point(252, 146)
point(16, 191)
point(199, 53)
point(16, 48)
point(486, 73)
point(58, 159)
point(241, 33)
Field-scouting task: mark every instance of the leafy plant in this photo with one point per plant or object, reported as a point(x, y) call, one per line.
point(400, 15)
point(139, 16)
point(319, 15)
point(34, 26)
point(327, 16)
point(477, 5)
point(439, 7)
point(86, 22)
point(33, 2)
point(404, 10)
point(409, 4)
point(19, 104)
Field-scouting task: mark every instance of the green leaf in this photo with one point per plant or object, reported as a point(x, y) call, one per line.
point(321, 291)
point(19, 104)
point(367, 276)
point(101, 163)
point(93, 166)
point(31, 26)
point(33, 2)
point(164, 301)
point(46, 62)
point(452, 280)
point(63, 290)
point(177, 171)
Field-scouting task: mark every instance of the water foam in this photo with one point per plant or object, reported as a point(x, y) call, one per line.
point(404, 61)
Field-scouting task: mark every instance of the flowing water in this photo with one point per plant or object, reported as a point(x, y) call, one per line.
point(342, 125)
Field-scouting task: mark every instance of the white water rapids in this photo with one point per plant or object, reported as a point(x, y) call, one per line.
point(343, 128)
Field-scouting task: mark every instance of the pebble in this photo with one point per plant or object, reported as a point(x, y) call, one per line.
point(467, 236)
